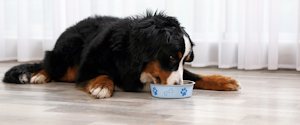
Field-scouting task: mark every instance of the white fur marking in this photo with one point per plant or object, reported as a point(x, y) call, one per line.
point(23, 79)
point(240, 86)
point(103, 93)
point(95, 92)
point(177, 76)
point(37, 79)
point(100, 93)
point(146, 78)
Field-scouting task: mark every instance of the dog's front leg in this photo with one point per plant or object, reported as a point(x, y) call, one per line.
point(212, 82)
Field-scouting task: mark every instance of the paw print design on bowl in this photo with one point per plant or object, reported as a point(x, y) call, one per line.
point(183, 91)
point(173, 91)
point(154, 90)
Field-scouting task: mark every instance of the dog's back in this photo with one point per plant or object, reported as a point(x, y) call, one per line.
point(66, 53)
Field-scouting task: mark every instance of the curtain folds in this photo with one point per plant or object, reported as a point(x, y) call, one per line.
point(2, 32)
point(298, 39)
point(251, 34)
point(247, 34)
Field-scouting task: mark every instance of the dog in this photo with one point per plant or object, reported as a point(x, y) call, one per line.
point(103, 53)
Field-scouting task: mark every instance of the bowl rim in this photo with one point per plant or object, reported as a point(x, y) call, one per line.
point(192, 83)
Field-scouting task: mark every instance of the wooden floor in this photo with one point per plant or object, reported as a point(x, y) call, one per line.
point(266, 98)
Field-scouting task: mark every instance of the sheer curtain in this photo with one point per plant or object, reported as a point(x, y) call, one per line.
point(247, 34)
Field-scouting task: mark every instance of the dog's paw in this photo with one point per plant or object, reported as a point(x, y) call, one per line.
point(24, 79)
point(100, 87)
point(101, 92)
point(231, 85)
point(218, 82)
point(38, 79)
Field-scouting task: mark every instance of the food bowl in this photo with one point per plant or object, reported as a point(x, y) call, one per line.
point(173, 91)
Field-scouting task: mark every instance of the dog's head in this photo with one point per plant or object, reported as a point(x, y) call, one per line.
point(163, 47)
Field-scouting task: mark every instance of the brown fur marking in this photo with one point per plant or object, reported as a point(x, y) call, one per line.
point(154, 69)
point(217, 82)
point(70, 75)
point(180, 55)
point(187, 58)
point(42, 72)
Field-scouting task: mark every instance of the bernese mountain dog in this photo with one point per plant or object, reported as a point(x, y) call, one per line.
point(103, 54)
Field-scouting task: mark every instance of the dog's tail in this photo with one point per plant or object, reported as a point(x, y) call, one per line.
point(21, 74)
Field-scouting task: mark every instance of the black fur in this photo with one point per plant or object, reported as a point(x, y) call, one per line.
point(117, 47)
point(187, 75)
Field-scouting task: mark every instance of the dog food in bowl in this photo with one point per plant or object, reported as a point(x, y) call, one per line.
point(173, 91)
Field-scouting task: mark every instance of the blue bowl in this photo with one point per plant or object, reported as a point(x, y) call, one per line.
point(173, 91)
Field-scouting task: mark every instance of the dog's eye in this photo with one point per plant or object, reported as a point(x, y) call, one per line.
point(172, 59)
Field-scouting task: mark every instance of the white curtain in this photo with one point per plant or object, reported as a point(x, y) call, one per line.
point(247, 34)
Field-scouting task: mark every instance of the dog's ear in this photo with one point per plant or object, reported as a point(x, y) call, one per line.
point(146, 40)
point(190, 57)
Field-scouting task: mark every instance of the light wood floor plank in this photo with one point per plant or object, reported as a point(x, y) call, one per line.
point(266, 98)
